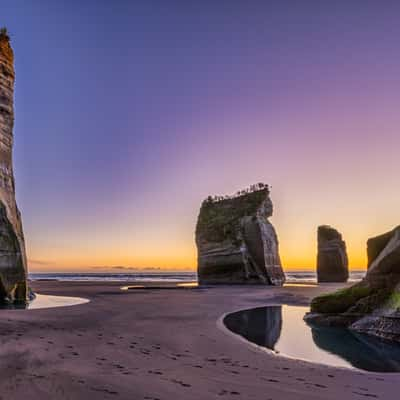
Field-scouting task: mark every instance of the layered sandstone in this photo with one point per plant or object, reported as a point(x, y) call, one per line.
point(332, 261)
point(235, 241)
point(13, 266)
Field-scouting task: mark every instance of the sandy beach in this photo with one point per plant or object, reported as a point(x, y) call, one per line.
point(161, 344)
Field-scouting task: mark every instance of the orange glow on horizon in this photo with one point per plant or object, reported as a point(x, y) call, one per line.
point(154, 264)
point(298, 250)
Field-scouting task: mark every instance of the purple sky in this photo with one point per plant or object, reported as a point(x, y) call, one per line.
point(129, 113)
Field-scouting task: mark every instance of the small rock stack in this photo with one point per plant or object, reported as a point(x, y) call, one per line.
point(332, 261)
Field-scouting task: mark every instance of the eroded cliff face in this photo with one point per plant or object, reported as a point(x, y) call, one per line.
point(371, 306)
point(13, 270)
point(236, 243)
point(332, 261)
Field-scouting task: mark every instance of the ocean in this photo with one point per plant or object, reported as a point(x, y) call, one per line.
point(181, 276)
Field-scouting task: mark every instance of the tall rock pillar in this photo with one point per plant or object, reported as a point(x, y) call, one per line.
point(13, 264)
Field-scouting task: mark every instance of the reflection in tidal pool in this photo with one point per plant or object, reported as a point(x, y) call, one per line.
point(282, 329)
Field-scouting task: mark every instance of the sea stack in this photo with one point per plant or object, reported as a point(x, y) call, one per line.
point(13, 265)
point(235, 241)
point(332, 261)
point(371, 306)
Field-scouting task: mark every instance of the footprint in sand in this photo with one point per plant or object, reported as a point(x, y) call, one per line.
point(233, 372)
point(320, 386)
point(183, 384)
point(155, 372)
point(366, 394)
point(104, 390)
point(224, 392)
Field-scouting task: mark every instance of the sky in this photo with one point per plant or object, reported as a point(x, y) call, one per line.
point(130, 113)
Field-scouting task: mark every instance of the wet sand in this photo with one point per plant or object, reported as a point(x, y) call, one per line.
point(162, 344)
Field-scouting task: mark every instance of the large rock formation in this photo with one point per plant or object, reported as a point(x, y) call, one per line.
point(13, 270)
point(332, 261)
point(236, 243)
point(373, 305)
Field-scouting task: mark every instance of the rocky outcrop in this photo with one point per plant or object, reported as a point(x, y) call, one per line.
point(235, 241)
point(376, 245)
point(13, 270)
point(371, 306)
point(332, 261)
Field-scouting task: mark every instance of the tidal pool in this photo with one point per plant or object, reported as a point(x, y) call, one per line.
point(282, 330)
point(46, 301)
point(184, 285)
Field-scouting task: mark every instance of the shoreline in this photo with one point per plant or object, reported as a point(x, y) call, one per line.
point(157, 344)
point(220, 324)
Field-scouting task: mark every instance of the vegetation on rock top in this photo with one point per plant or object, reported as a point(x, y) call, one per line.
point(339, 301)
point(219, 217)
point(358, 299)
point(394, 301)
point(4, 34)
